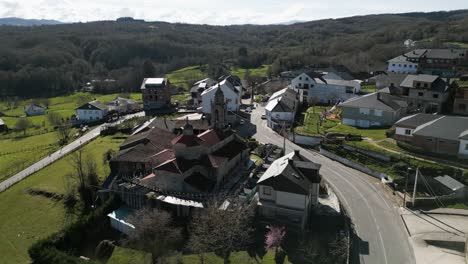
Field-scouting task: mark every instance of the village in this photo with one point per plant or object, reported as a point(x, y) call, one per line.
point(260, 153)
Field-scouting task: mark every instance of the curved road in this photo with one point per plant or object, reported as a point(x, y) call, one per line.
point(60, 153)
point(375, 216)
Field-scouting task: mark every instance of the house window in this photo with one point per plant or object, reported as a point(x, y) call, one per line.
point(411, 66)
point(435, 96)
point(378, 112)
point(300, 78)
point(364, 111)
point(425, 85)
point(429, 139)
point(408, 132)
point(420, 94)
point(418, 84)
point(466, 146)
point(405, 65)
point(307, 78)
point(266, 190)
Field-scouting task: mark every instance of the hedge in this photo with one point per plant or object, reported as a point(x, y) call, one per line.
point(61, 247)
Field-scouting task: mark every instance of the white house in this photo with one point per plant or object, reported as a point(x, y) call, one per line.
point(34, 110)
point(92, 111)
point(326, 91)
point(281, 108)
point(231, 95)
point(400, 64)
point(289, 189)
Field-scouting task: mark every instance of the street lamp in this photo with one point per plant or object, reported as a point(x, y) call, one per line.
point(406, 186)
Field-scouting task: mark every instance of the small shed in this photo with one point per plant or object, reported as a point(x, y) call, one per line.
point(118, 220)
point(451, 186)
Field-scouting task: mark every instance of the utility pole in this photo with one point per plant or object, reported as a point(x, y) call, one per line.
point(284, 138)
point(415, 184)
point(406, 187)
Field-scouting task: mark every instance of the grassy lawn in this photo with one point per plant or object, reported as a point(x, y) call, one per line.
point(460, 45)
point(311, 119)
point(236, 257)
point(391, 146)
point(182, 77)
point(369, 88)
point(262, 71)
point(375, 134)
point(258, 160)
point(25, 218)
point(18, 153)
point(64, 105)
point(181, 98)
point(129, 256)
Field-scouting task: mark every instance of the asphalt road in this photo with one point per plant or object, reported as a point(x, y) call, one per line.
point(375, 216)
point(92, 134)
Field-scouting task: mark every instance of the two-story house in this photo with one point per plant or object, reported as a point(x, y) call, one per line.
point(442, 62)
point(197, 90)
point(289, 190)
point(281, 108)
point(156, 94)
point(92, 111)
point(426, 93)
point(372, 110)
point(232, 97)
point(123, 105)
point(439, 134)
point(311, 87)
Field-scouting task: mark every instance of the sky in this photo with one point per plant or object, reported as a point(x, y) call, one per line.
point(216, 12)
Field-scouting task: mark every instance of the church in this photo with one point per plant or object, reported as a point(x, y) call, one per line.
point(180, 169)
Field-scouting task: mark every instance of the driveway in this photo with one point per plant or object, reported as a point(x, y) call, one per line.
point(382, 237)
point(60, 153)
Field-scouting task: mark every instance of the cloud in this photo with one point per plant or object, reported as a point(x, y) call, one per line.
point(221, 12)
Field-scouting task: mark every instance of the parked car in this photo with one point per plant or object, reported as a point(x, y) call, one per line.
point(263, 116)
point(248, 110)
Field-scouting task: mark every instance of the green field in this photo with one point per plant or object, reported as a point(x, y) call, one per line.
point(460, 45)
point(25, 218)
point(182, 77)
point(236, 257)
point(375, 134)
point(122, 255)
point(369, 88)
point(18, 153)
point(311, 118)
point(64, 105)
point(262, 71)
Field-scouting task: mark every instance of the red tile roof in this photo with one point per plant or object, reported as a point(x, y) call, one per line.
point(187, 140)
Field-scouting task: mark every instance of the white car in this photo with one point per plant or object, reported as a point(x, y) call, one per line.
point(263, 116)
point(248, 110)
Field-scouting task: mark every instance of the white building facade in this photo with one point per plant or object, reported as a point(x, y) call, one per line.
point(92, 111)
point(400, 64)
point(231, 95)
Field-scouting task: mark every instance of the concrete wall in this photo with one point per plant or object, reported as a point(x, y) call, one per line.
point(291, 200)
point(353, 165)
point(370, 153)
point(305, 140)
point(436, 145)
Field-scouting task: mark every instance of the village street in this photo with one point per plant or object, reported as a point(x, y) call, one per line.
point(380, 230)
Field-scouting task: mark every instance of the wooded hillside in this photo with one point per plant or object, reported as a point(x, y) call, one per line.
point(57, 59)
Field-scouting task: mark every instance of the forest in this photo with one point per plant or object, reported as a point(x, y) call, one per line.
point(53, 60)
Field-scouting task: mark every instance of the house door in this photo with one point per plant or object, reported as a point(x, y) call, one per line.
point(306, 86)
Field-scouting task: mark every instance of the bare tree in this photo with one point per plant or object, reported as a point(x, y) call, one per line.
point(23, 124)
point(45, 102)
point(63, 127)
point(154, 232)
point(85, 175)
point(253, 81)
point(221, 227)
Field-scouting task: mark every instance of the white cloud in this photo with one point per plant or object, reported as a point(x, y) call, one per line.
point(220, 12)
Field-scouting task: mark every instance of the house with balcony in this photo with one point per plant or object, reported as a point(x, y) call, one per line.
point(460, 102)
point(288, 190)
point(426, 93)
